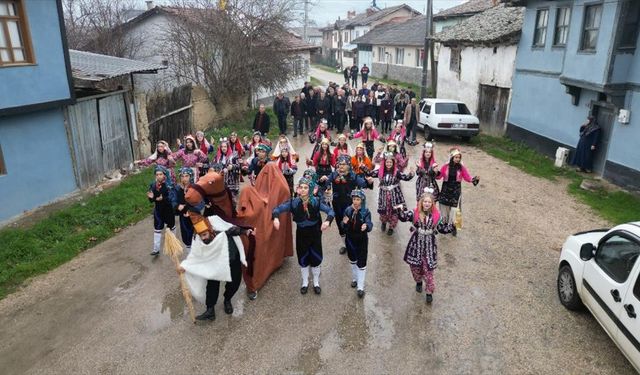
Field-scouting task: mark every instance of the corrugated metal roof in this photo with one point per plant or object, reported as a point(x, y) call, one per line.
point(497, 25)
point(89, 66)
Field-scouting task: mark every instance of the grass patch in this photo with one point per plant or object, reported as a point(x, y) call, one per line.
point(27, 252)
point(315, 82)
point(615, 206)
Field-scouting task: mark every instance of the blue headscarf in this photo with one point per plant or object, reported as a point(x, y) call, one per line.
point(360, 194)
point(187, 170)
point(167, 175)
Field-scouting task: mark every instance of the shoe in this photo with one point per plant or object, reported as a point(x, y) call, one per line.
point(360, 293)
point(429, 298)
point(390, 232)
point(228, 307)
point(304, 290)
point(317, 290)
point(419, 287)
point(210, 314)
point(454, 232)
point(294, 135)
point(343, 250)
point(252, 295)
point(155, 252)
point(384, 227)
point(354, 284)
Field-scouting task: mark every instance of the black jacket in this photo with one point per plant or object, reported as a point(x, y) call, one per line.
point(281, 106)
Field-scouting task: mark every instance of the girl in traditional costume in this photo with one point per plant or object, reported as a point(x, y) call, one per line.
point(162, 156)
point(192, 157)
point(398, 135)
point(342, 147)
point(321, 132)
point(452, 175)
point(229, 163)
point(357, 224)
point(390, 195)
point(392, 148)
point(360, 162)
point(163, 195)
point(369, 134)
point(422, 253)
point(324, 161)
point(257, 163)
point(185, 179)
point(427, 170)
point(288, 166)
point(283, 142)
point(305, 211)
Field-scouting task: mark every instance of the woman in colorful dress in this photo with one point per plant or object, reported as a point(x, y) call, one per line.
point(162, 156)
point(398, 135)
point(185, 179)
point(360, 162)
point(191, 156)
point(342, 147)
point(321, 132)
point(227, 161)
point(390, 176)
point(427, 170)
point(288, 166)
point(324, 162)
point(452, 175)
point(368, 134)
point(391, 147)
point(284, 142)
point(422, 253)
point(236, 145)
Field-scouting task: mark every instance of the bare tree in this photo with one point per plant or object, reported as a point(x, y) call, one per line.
point(98, 26)
point(232, 52)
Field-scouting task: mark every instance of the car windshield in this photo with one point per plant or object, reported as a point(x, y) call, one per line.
point(452, 109)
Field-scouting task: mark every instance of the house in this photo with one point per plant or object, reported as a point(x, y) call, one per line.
point(314, 35)
point(395, 50)
point(452, 16)
point(35, 85)
point(579, 58)
point(477, 62)
point(150, 28)
point(337, 40)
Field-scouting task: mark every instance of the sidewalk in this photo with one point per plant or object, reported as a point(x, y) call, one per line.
point(325, 76)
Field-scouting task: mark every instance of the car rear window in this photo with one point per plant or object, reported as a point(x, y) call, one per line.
point(452, 109)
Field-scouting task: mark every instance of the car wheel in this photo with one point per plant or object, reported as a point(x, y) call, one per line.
point(567, 291)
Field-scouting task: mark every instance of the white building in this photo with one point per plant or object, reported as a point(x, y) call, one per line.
point(477, 63)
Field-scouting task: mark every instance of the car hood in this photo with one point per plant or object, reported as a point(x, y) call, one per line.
point(574, 242)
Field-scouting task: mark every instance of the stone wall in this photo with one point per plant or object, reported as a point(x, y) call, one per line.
point(401, 73)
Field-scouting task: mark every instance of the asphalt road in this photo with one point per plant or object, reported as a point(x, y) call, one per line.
point(116, 310)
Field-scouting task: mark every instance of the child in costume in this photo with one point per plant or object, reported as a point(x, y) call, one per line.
point(360, 162)
point(398, 135)
point(391, 147)
point(356, 225)
point(162, 194)
point(369, 134)
point(226, 160)
point(236, 145)
point(343, 181)
point(257, 163)
point(342, 147)
point(283, 142)
point(324, 162)
point(256, 140)
point(321, 132)
point(390, 194)
point(185, 179)
point(427, 170)
point(191, 156)
point(162, 156)
point(422, 253)
point(305, 210)
point(452, 175)
point(288, 167)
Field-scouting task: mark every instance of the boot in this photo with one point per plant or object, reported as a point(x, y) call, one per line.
point(419, 287)
point(228, 307)
point(342, 250)
point(390, 232)
point(429, 298)
point(384, 227)
point(210, 314)
point(360, 293)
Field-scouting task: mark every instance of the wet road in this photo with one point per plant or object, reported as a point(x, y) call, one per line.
point(116, 310)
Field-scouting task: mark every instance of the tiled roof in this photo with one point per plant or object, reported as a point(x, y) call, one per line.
point(408, 33)
point(311, 31)
point(467, 9)
point(364, 19)
point(89, 66)
point(500, 24)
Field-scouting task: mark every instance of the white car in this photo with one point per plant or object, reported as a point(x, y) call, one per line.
point(600, 270)
point(447, 117)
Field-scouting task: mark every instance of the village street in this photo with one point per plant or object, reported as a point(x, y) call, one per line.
point(116, 310)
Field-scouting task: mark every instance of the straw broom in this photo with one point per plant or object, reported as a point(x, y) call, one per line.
point(173, 248)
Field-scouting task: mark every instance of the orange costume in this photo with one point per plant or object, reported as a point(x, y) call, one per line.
point(255, 206)
point(364, 161)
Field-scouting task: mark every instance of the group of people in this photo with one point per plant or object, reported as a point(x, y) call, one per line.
point(334, 184)
point(351, 74)
point(344, 107)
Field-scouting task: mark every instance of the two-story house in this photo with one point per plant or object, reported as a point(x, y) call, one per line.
point(35, 85)
point(579, 58)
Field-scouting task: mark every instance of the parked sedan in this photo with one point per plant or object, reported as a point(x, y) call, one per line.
point(447, 117)
point(599, 269)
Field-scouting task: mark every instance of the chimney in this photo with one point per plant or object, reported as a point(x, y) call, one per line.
point(370, 11)
point(351, 14)
point(149, 4)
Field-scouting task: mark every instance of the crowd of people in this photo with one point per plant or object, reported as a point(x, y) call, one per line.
point(333, 183)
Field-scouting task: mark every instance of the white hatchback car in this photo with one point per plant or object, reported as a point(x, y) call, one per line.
point(447, 117)
point(600, 269)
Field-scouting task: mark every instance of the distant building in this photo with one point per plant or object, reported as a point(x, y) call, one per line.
point(578, 58)
point(477, 62)
point(314, 35)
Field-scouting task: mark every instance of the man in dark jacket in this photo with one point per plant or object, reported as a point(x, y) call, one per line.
point(322, 109)
point(347, 74)
point(261, 122)
point(297, 112)
point(365, 73)
point(354, 75)
point(310, 109)
point(339, 108)
point(281, 106)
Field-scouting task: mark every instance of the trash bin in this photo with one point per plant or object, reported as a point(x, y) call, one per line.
point(562, 154)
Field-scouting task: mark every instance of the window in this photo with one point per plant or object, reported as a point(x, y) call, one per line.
point(381, 55)
point(346, 36)
point(335, 37)
point(455, 60)
point(419, 57)
point(591, 25)
point(427, 108)
point(630, 24)
point(561, 33)
point(3, 168)
point(15, 45)
point(540, 33)
point(617, 256)
point(452, 109)
point(399, 56)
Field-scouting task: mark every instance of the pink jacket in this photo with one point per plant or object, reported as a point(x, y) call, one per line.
point(362, 134)
point(463, 174)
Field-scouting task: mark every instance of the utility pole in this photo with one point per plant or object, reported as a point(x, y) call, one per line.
point(428, 49)
point(306, 20)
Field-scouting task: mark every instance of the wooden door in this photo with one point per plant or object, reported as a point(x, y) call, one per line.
point(493, 102)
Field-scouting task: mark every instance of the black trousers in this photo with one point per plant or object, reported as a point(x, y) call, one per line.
point(354, 81)
point(282, 123)
point(230, 288)
point(339, 205)
point(309, 246)
point(339, 119)
point(357, 248)
point(368, 145)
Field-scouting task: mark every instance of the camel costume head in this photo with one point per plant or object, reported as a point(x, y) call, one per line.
point(210, 189)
